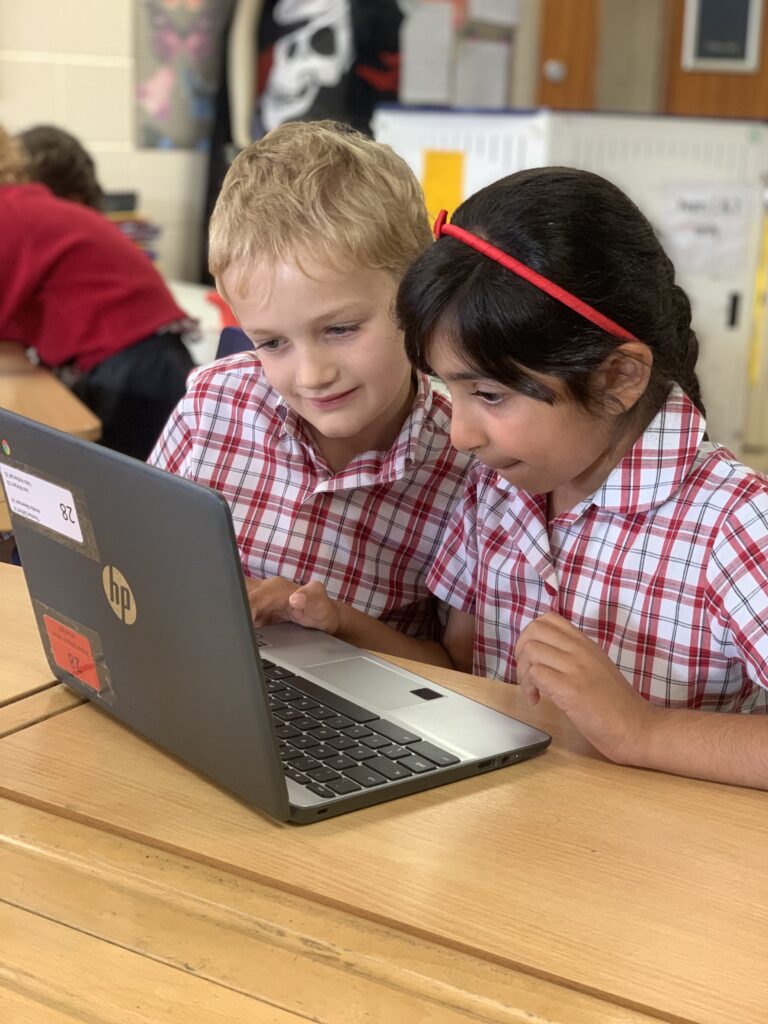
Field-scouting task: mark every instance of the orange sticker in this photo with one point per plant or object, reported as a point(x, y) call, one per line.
point(72, 652)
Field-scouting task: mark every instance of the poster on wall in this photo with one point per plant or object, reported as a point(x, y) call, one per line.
point(178, 61)
point(722, 35)
point(706, 226)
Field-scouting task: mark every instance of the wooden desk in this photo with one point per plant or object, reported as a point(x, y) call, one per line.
point(564, 889)
point(35, 392)
point(23, 666)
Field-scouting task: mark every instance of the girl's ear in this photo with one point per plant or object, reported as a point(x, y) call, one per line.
point(624, 374)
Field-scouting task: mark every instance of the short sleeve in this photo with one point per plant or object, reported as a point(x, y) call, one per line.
point(454, 571)
point(737, 574)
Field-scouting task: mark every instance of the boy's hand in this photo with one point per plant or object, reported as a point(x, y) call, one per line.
point(556, 660)
point(268, 600)
point(280, 600)
point(310, 606)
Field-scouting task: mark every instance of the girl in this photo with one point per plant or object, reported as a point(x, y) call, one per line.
point(606, 555)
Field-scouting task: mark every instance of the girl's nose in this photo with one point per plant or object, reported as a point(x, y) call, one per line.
point(466, 435)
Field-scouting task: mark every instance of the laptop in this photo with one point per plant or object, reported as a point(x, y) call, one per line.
point(138, 592)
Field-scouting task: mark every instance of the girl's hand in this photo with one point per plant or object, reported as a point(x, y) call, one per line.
point(556, 660)
point(280, 600)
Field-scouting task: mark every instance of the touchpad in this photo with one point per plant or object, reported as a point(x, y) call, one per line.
point(367, 682)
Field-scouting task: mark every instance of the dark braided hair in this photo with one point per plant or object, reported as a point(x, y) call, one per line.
point(587, 236)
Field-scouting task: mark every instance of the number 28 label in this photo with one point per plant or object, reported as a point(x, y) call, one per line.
point(41, 502)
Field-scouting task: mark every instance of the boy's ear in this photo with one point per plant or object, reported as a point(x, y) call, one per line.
point(624, 374)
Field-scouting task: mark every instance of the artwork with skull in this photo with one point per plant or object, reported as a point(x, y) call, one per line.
point(326, 59)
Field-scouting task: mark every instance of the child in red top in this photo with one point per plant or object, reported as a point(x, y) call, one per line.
point(91, 304)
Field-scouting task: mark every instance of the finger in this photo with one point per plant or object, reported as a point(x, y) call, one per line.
point(530, 692)
point(537, 652)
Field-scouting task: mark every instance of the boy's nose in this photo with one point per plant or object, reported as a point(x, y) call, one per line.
point(313, 374)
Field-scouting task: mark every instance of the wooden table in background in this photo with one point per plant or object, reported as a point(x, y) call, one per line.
point(28, 691)
point(564, 890)
point(35, 392)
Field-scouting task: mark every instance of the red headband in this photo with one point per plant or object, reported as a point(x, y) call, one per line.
point(542, 283)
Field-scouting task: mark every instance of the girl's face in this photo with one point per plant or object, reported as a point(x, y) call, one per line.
point(540, 448)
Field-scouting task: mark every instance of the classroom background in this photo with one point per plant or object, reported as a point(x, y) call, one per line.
point(668, 98)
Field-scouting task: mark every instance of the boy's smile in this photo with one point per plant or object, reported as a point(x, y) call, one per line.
point(329, 346)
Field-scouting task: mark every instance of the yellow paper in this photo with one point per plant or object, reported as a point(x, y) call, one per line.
point(443, 180)
point(758, 311)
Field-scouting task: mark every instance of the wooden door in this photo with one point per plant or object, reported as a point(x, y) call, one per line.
point(569, 34)
point(713, 93)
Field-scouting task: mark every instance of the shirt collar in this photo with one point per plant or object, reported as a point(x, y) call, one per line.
point(658, 462)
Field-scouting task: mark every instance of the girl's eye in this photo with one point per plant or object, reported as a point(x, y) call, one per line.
point(490, 397)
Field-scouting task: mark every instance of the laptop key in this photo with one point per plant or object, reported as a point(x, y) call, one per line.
point(275, 672)
point(286, 713)
point(302, 742)
point(284, 732)
point(359, 753)
point(394, 733)
point(441, 757)
point(389, 769)
point(338, 722)
point(342, 786)
point(323, 774)
point(374, 741)
point(304, 703)
point(319, 790)
point(339, 704)
point(290, 773)
point(356, 732)
point(394, 751)
point(304, 723)
point(320, 713)
point(323, 732)
point(305, 764)
point(340, 763)
point(365, 776)
point(322, 751)
point(342, 742)
point(417, 764)
point(289, 753)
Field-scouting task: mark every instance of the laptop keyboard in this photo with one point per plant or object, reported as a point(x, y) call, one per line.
point(335, 747)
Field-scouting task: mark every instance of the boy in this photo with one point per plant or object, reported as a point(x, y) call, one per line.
point(332, 452)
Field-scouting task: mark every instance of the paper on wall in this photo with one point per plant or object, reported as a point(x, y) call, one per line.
point(482, 74)
point(505, 13)
point(705, 226)
point(426, 52)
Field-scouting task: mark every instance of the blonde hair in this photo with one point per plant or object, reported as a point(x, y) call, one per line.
point(320, 190)
point(12, 160)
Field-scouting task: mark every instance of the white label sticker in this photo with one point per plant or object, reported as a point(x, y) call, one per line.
point(42, 502)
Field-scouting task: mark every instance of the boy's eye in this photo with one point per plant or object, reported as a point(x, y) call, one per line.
point(340, 330)
point(272, 345)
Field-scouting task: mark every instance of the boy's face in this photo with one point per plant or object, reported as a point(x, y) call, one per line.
point(329, 346)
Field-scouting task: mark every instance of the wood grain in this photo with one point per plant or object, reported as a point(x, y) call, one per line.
point(607, 880)
point(23, 666)
point(290, 952)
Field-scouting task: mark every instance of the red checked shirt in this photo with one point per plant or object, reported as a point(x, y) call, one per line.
point(665, 566)
point(369, 532)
